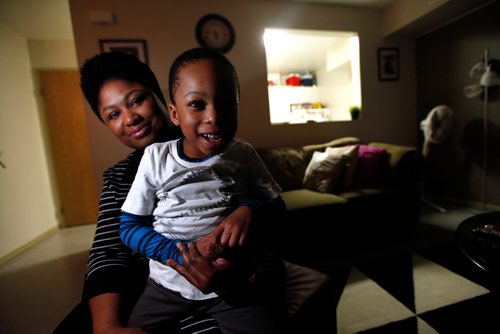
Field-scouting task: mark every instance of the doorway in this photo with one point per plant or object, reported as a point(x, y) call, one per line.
point(72, 174)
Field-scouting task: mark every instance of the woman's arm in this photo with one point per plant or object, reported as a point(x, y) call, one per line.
point(110, 262)
point(105, 310)
point(113, 274)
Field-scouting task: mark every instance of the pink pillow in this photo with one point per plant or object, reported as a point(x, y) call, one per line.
point(372, 164)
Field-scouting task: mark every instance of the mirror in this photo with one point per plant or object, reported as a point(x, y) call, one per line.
point(313, 76)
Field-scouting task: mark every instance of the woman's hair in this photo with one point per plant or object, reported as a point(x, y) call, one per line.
point(115, 65)
point(192, 56)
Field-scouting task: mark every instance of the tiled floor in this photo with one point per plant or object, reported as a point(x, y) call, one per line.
point(409, 293)
point(432, 289)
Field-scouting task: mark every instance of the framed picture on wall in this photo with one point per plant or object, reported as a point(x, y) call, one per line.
point(388, 64)
point(136, 47)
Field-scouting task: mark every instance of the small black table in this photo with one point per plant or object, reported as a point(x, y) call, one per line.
point(481, 248)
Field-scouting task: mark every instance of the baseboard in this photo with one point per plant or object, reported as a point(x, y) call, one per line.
point(4, 259)
point(468, 203)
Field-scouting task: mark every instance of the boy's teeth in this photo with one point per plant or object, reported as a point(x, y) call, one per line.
point(211, 136)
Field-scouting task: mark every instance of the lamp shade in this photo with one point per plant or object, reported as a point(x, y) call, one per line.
point(489, 78)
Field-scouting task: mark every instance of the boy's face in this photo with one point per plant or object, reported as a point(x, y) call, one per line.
point(206, 107)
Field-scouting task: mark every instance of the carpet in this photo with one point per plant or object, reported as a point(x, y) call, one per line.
point(430, 290)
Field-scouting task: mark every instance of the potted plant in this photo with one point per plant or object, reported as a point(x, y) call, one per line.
point(354, 111)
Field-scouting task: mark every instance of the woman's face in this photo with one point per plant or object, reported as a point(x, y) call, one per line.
point(130, 111)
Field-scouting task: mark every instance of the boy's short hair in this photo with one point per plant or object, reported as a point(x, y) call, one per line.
point(191, 56)
point(115, 65)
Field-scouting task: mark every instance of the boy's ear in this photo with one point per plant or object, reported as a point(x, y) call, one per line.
point(174, 117)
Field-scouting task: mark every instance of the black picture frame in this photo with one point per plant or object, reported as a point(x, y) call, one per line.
point(388, 64)
point(136, 47)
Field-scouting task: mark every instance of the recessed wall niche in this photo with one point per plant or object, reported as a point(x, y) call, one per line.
point(313, 76)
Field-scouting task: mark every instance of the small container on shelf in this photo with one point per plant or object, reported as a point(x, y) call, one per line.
point(307, 80)
point(273, 79)
point(293, 79)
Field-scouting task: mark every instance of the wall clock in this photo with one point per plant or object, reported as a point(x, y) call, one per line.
point(216, 32)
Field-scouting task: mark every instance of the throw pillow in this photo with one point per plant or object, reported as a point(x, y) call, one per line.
point(350, 152)
point(372, 162)
point(324, 171)
point(286, 165)
point(309, 149)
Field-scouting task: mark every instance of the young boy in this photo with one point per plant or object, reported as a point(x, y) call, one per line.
point(189, 186)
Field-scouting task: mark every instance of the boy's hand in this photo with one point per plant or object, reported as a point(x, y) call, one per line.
point(231, 232)
point(234, 229)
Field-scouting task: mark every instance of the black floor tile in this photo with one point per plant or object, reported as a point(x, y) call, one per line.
point(407, 326)
point(394, 274)
point(476, 315)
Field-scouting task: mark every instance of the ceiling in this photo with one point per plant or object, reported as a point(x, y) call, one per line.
point(38, 19)
point(50, 19)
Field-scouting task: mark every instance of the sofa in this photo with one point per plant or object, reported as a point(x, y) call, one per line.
point(346, 200)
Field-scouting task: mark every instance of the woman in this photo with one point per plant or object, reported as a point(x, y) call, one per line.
point(125, 95)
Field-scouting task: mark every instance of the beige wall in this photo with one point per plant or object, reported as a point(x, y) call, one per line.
point(26, 201)
point(52, 54)
point(389, 111)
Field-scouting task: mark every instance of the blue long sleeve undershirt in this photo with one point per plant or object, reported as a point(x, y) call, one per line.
point(137, 232)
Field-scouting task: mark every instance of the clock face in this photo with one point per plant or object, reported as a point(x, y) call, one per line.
point(215, 32)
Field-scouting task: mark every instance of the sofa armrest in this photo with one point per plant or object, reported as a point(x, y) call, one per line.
point(404, 166)
point(397, 152)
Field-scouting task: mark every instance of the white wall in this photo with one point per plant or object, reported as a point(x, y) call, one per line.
point(389, 108)
point(26, 201)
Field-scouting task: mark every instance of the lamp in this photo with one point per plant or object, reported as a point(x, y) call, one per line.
point(487, 78)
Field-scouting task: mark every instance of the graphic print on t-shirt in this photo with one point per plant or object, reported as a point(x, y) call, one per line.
point(192, 202)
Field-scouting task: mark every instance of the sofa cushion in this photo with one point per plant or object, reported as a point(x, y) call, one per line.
point(286, 165)
point(304, 198)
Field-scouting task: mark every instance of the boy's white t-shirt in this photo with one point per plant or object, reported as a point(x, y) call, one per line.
point(189, 199)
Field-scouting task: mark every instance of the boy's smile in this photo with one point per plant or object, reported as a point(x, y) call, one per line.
point(206, 107)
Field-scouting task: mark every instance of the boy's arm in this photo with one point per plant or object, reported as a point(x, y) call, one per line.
point(137, 233)
point(234, 229)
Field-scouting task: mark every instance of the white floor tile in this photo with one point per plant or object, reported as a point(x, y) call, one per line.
point(424, 328)
point(364, 304)
point(436, 286)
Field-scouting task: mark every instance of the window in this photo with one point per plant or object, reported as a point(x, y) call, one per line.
point(313, 76)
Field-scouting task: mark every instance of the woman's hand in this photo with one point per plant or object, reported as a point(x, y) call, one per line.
point(203, 273)
point(209, 246)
